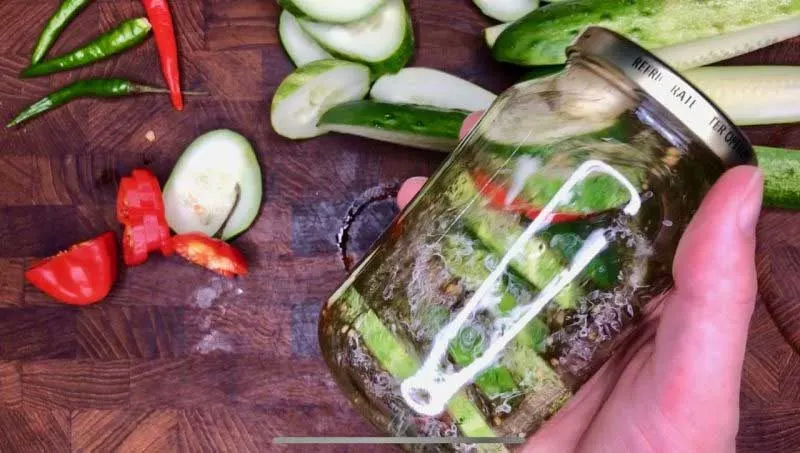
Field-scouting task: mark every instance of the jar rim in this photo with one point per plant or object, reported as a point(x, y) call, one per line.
point(666, 86)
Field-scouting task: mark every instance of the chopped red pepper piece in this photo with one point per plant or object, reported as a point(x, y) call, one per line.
point(213, 254)
point(139, 195)
point(134, 246)
point(140, 207)
point(497, 195)
point(81, 275)
point(147, 235)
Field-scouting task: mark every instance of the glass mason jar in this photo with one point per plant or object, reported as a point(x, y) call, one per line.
point(530, 257)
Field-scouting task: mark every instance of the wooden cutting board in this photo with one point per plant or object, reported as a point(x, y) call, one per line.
point(177, 359)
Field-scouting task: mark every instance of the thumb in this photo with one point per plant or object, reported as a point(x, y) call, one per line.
point(701, 338)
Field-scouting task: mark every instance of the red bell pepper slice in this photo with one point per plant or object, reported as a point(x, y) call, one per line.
point(80, 275)
point(497, 196)
point(213, 254)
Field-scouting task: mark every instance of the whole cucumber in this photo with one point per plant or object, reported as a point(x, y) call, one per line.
point(781, 176)
point(541, 37)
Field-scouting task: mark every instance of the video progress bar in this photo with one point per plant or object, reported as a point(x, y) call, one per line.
point(399, 440)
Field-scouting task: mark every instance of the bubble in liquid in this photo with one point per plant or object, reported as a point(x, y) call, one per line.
point(388, 292)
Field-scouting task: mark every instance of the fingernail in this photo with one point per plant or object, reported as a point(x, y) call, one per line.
point(750, 209)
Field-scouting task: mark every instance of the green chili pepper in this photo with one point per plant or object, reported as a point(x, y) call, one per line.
point(58, 21)
point(83, 88)
point(123, 37)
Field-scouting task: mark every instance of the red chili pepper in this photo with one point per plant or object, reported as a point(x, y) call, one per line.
point(81, 275)
point(134, 246)
point(140, 238)
point(213, 254)
point(140, 207)
point(497, 195)
point(161, 19)
point(139, 195)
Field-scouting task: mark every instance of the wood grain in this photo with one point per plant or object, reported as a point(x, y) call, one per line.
point(11, 281)
point(37, 333)
point(779, 260)
point(179, 359)
point(113, 332)
point(10, 385)
point(124, 430)
point(230, 429)
point(34, 430)
point(76, 384)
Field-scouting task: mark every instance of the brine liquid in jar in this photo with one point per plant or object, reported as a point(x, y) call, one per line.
point(523, 265)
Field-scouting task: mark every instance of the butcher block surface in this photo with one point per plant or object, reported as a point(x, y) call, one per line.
point(178, 359)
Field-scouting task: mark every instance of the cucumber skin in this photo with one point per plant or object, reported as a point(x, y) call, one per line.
point(394, 355)
point(781, 171)
point(537, 270)
point(428, 121)
point(539, 72)
point(781, 176)
point(537, 263)
point(527, 344)
point(284, 46)
point(289, 5)
point(541, 37)
point(567, 238)
point(303, 75)
point(397, 61)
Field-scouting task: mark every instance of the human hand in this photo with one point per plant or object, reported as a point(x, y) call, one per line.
point(677, 389)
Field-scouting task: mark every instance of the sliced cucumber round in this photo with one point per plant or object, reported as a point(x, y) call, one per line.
point(490, 34)
point(311, 90)
point(411, 125)
point(425, 86)
point(506, 10)
point(384, 40)
point(302, 49)
point(333, 11)
point(215, 188)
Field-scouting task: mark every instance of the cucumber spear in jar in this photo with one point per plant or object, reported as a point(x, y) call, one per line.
point(396, 357)
point(522, 364)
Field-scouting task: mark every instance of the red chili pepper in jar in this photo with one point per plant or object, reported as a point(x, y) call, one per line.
point(80, 275)
point(213, 254)
point(497, 196)
point(159, 15)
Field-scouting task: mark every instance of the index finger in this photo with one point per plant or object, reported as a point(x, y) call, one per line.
point(470, 122)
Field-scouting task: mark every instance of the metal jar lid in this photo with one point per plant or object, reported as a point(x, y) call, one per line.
point(667, 87)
